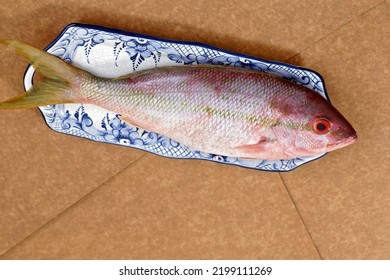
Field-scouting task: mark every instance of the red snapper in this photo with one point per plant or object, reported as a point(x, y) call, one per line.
point(221, 110)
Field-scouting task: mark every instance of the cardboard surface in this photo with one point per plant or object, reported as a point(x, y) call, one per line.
point(66, 197)
point(346, 209)
point(185, 210)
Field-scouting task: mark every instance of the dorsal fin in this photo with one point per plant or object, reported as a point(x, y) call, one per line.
point(181, 67)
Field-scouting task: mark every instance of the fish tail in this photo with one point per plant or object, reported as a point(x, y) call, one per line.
point(57, 86)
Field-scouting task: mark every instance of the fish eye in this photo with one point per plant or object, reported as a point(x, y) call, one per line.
point(321, 126)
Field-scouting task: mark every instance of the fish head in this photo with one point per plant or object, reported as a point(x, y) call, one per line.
point(317, 127)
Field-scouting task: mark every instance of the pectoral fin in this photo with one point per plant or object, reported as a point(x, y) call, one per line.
point(252, 149)
point(259, 147)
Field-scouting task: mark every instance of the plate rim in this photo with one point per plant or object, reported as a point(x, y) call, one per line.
point(193, 43)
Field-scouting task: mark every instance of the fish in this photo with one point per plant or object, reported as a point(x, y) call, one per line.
point(220, 110)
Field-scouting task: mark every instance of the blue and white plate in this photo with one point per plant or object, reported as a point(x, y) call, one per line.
point(111, 53)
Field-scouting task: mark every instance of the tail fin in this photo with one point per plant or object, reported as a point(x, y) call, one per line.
point(56, 87)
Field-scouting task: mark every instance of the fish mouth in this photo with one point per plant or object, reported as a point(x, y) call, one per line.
point(344, 142)
point(350, 139)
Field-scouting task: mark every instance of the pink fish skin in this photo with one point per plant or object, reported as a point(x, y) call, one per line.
point(216, 109)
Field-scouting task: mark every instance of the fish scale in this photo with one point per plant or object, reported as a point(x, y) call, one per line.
point(200, 107)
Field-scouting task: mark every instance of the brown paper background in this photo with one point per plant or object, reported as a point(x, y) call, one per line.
point(64, 197)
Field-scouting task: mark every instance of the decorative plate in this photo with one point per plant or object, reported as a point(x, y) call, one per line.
point(111, 53)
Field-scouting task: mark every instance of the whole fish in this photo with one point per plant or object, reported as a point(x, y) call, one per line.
point(216, 109)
